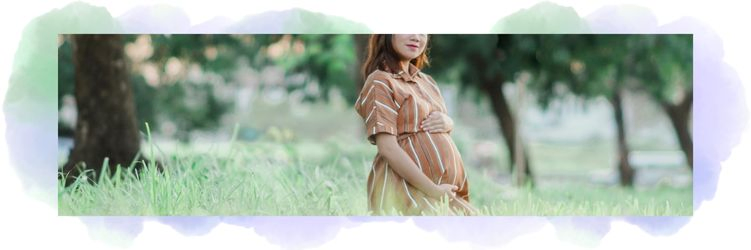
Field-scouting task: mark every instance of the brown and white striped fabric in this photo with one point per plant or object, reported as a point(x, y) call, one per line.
point(397, 104)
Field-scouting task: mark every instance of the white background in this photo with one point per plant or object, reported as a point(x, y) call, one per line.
point(29, 223)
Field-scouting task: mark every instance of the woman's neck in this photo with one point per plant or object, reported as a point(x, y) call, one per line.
point(404, 65)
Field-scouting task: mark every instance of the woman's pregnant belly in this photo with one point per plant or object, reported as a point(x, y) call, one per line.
point(436, 155)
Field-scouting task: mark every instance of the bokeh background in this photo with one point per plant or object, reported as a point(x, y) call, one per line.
point(586, 112)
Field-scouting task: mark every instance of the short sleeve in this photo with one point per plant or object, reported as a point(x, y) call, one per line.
point(377, 107)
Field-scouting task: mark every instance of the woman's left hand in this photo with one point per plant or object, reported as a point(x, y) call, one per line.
point(437, 122)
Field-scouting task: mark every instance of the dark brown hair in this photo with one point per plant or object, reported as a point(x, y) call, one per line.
point(381, 55)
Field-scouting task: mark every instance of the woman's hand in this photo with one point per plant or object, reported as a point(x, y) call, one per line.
point(437, 122)
point(443, 190)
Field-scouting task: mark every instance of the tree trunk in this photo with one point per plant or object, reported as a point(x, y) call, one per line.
point(494, 89)
point(106, 123)
point(521, 177)
point(679, 114)
point(625, 170)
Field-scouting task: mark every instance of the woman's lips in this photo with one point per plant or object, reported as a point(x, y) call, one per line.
point(413, 47)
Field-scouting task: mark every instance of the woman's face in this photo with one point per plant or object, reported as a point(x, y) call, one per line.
point(409, 46)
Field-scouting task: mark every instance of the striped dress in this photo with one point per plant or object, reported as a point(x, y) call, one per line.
point(397, 104)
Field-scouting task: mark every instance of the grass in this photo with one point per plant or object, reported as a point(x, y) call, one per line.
point(313, 160)
point(324, 177)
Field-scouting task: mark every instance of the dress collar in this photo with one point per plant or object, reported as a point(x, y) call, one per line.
point(409, 77)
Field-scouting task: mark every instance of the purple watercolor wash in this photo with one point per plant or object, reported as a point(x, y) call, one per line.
point(213, 26)
point(378, 218)
point(190, 225)
point(271, 22)
point(660, 226)
point(157, 19)
point(720, 113)
point(491, 231)
point(720, 116)
point(719, 105)
point(596, 227)
point(36, 162)
point(294, 232)
point(129, 227)
point(288, 232)
point(622, 19)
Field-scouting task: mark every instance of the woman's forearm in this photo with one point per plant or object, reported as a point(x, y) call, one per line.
point(403, 165)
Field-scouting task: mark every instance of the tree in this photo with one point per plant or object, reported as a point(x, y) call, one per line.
point(192, 104)
point(606, 62)
point(551, 59)
point(106, 123)
point(667, 77)
point(330, 61)
point(485, 63)
point(488, 62)
point(657, 64)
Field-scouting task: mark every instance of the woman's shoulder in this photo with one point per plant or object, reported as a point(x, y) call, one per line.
point(380, 76)
point(430, 80)
point(427, 77)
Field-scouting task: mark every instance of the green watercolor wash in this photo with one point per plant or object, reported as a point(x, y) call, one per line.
point(544, 17)
point(304, 21)
point(32, 91)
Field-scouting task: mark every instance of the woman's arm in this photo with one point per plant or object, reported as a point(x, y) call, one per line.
point(407, 169)
point(437, 122)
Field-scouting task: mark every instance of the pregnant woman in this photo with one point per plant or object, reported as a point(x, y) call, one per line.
point(417, 164)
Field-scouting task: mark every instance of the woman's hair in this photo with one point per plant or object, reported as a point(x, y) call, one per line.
point(381, 55)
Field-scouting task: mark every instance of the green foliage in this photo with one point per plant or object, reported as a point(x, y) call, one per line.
point(326, 60)
point(667, 68)
point(585, 65)
point(658, 64)
point(582, 64)
point(190, 106)
point(229, 48)
point(330, 60)
point(194, 105)
point(468, 60)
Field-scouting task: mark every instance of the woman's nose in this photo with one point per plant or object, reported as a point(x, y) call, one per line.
point(417, 37)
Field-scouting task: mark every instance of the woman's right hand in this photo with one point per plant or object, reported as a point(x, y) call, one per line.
point(444, 189)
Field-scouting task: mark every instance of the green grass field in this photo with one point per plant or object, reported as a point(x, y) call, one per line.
point(328, 178)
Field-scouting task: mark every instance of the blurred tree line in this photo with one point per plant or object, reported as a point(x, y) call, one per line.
point(134, 79)
point(176, 79)
point(588, 66)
